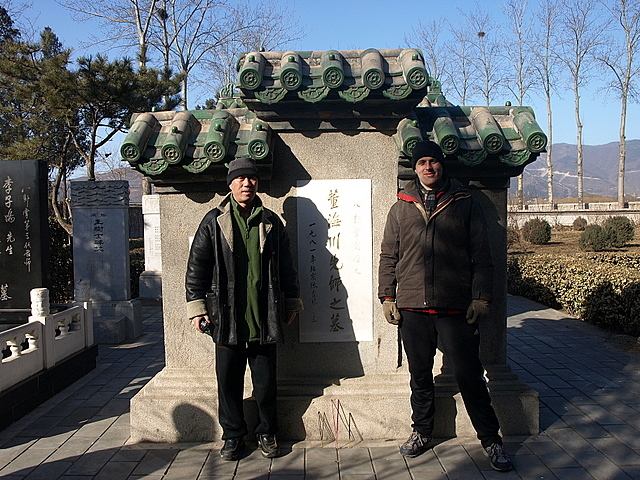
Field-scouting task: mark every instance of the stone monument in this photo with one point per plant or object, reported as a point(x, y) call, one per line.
point(101, 258)
point(151, 277)
point(24, 237)
point(332, 133)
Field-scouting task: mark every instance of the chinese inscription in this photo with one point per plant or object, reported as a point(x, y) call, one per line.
point(23, 231)
point(334, 259)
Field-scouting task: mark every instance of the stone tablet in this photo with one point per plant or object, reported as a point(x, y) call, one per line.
point(334, 260)
point(24, 236)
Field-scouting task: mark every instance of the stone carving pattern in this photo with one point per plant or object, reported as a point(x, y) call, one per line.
point(96, 194)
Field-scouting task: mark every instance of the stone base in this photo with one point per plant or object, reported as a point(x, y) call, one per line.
point(516, 404)
point(180, 406)
point(109, 330)
point(130, 309)
point(150, 284)
point(518, 413)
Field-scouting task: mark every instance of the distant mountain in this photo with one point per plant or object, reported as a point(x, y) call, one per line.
point(600, 171)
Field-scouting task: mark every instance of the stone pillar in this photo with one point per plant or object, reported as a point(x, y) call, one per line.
point(361, 378)
point(151, 278)
point(101, 258)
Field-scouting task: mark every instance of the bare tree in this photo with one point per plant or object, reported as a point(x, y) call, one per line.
point(621, 59)
point(462, 71)
point(486, 52)
point(519, 30)
point(520, 57)
point(191, 29)
point(581, 36)
point(429, 38)
point(269, 25)
point(547, 66)
point(126, 22)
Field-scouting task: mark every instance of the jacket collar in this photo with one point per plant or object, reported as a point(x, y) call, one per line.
point(452, 188)
point(225, 221)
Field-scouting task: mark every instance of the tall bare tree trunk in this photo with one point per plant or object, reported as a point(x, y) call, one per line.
point(520, 192)
point(623, 151)
point(579, 144)
point(549, 157)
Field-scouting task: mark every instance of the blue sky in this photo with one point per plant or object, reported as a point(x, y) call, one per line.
point(358, 24)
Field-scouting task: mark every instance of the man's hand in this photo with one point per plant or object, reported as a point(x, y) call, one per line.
point(289, 316)
point(195, 321)
point(477, 311)
point(391, 312)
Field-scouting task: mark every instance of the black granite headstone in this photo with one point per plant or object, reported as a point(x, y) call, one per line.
point(24, 236)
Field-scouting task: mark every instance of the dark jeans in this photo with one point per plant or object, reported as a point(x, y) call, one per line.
point(460, 343)
point(231, 364)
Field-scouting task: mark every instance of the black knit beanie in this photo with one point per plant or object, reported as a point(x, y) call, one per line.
point(426, 148)
point(242, 167)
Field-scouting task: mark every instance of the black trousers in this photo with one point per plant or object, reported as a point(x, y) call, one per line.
point(231, 364)
point(460, 343)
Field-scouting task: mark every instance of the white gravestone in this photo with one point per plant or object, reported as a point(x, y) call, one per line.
point(151, 278)
point(334, 260)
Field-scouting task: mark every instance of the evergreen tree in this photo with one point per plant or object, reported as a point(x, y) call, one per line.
point(64, 115)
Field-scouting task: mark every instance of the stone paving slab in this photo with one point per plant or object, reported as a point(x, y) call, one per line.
point(589, 404)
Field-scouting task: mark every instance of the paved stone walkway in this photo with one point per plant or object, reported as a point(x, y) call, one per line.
point(589, 414)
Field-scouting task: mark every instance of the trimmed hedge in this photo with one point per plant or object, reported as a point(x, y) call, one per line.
point(536, 231)
point(579, 224)
point(602, 289)
point(593, 239)
point(619, 230)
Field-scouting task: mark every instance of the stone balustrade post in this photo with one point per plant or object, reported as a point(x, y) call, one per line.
point(41, 312)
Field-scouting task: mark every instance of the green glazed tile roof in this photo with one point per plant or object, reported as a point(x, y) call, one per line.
point(355, 90)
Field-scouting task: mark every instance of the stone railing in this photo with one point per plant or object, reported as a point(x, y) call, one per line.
point(46, 340)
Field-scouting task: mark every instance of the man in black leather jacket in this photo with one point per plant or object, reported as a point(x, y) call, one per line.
point(240, 285)
point(435, 282)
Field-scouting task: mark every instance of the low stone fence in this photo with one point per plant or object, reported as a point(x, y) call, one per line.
point(45, 341)
point(565, 213)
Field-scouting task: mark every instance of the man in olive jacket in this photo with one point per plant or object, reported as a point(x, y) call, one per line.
point(435, 282)
point(240, 285)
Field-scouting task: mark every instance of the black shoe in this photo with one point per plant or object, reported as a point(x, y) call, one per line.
point(415, 445)
point(232, 448)
point(268, 444)
point(498, 458)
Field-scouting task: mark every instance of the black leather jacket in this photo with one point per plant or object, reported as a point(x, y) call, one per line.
point(210, 276)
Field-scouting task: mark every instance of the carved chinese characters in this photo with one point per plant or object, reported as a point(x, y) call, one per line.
point(334, 260)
